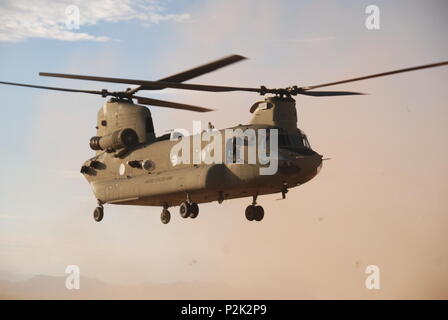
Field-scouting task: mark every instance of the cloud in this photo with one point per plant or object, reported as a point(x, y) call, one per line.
point(22, 19)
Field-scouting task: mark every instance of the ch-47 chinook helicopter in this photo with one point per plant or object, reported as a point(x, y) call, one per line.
point(133, 167)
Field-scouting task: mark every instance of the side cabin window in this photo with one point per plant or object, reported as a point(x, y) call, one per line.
point(233, 150)
point(235, 147)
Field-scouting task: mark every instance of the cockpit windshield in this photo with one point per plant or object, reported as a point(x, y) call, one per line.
point(283, 139)
point(292, 140)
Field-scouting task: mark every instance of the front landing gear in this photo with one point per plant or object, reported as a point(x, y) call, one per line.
point(194, 210)
point(98, 213)
point(254, 212)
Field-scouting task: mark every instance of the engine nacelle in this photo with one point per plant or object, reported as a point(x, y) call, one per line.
point(119, 139)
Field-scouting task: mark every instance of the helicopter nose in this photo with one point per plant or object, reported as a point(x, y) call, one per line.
point(306, 166)
point(319, 167)
point(315, 166)
point(289, 167)
point(313, 162)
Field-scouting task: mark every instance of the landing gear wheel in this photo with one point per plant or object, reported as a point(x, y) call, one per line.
point(185, 209)
point(194, 210)
point(259, 213)
point(250, 212)
point(165, 217)
point(98, 214)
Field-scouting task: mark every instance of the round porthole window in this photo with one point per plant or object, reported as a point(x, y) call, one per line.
point(148, 165)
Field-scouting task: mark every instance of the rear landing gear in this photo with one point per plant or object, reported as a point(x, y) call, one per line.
point(254, 211)
point(184, 210)
point(188, 209)
point(165, 216)
point(98, 213)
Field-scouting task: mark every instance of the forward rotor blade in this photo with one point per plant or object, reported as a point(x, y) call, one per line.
point(432, 65)
point(152, 84)
point(142, 100)
point(196, 72)
point(169, 104)
point(203, 69)
point(330, 93)
point(52, 88)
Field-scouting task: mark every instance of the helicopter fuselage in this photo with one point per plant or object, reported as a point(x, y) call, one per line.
point(167, 184)
point(147, 175)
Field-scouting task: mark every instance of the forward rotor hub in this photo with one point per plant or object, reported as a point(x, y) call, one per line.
point(288, 91)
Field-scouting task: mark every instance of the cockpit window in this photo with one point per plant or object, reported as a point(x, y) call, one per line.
point(303, 140)
point(283, 138)
point(306, 143)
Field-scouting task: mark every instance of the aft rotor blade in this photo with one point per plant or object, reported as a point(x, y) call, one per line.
point(432, 65)
point(152, 84)
point(330, 93)
point(53, 88)
point(170, 104)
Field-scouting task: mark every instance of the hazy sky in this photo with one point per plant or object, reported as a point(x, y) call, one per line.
point(381, 199)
